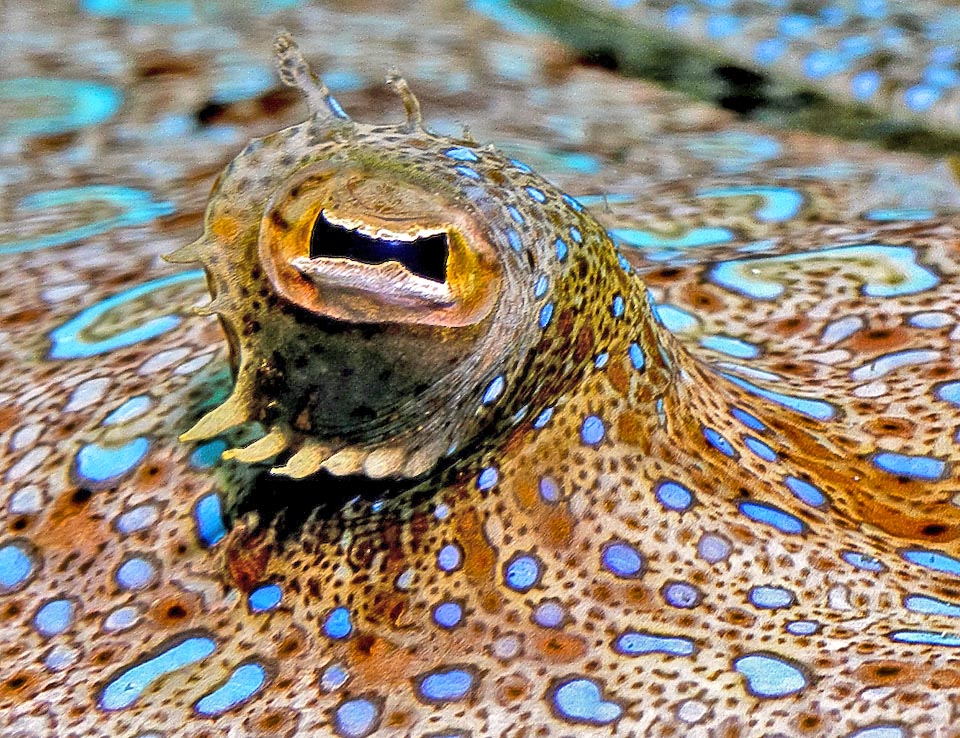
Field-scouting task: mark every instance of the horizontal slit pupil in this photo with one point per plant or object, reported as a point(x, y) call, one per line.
point(426, 257)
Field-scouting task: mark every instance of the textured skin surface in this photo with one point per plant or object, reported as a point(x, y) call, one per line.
point(679, 548)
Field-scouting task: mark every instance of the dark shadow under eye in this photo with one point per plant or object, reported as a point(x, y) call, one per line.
point(425, 257)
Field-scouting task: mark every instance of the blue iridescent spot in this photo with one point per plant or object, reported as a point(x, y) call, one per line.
point(805, 492)
point(467, 171)
point(713, 548)
point(770, 515)
point(100, 463)
point(450, 557)
point(521, 166)
point(514, 239)
point(933, 560)
point(601, 360)
point(803, 627)
point(210, 525)
point(16, 566)
point(580, 700)
point(447, 614)
point(760, 448)
point(748, 420)
point(571, 202)
point(718, 442)
point(549, 490)
point(549, 614)
point(576, 235)
point(451, 685)
point(546, 314)
point(53, 618)
point(918, 467)
point(493, 391)
point(338, 625)
point(592, 431)
point(265, 598)
point(618, 306)
point(931, 606)
point(207, 455)
point(536, 194)
point(562, 250)
point(245, 681)
point(682, 594)
point(461, 154)
point(771, 598)
point(622, 559)
point(135, 573)
point(770, 676)
point(515, 214)
point(356, 718)
point(129, 410)
point(920, 97)
point(488, 477)
point(540, 286)
point(674, 496)
point(862, 561)
point(864, 85)
point(522, 572)
point(926, 638)
point(634, 643)
point(543, 418)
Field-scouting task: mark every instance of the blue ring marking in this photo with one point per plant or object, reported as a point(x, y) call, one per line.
point(772, 598)
point(579, 700)
point(779, 203)
point(760, 448)
point(549, 614)
point(242, 684)
point(209, 517)
point(68, 342)
point(99, 464)
point(265, 598)
point(543, 418)
point(674, 496)
point(770, 515)
point(513, 238)
point(748, 420)
point(488, 477)
point(715, 439)
point(730, 346)
point(493, 391)
point(562, 249)
point(811, 408)
point(88, 103)
point(445, 685)
point(931, 606)
point(515, 215)
point(129, 410)
point(549, 490)
point(926, 638)
point(522, 572)
point(640, 239)
point(136, 573)
point(592, 431)
point(448, 614)
point(917, 467)
point(467, 171)
point(601, 361)
point(803, 627)
point(637, 643)
point(618, 306)
point(572, 202)
point(622, 559)
point(805, 492)
point(546, 315)
point(862, 561)
point(127, 687)
point(206, 455)
point(461, 154)
point(933, 560)
point(682, 594)
point(53, 618)
point(16, 566)
point(338, 624)
point(913, 277)
point(770, 676)
point(356, 718)
point(536, 194)
point(674, 319)
point(450, 557)
point(136, 207)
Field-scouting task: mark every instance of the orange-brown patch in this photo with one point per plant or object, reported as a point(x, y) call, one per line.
point(560, 648)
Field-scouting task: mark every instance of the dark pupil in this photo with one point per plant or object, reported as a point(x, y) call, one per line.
point(425, 257)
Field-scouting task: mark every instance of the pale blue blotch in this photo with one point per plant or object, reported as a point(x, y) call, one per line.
point(129, 410)
point(99, 463)
point(562, 249)
point(576, 235)
point(461, 154)
point(682, 595)
point(769, 50)
point(338, 625)
point(207, 455)
point(674, 319)
point(748, 420)
point(549, 614)
point(879, 731)
point(950, 392)
point(779, 203)
point(540, 286)
point(580, 700)
point(601, 361)
point(549, 490)
point(135, 573)
point(770, 515)
point(447, 614)
point(760, 448)
point(449, 557)
point(79, 104)
point(931, 320)
point(723, 25)
point(451, 685)
point(917, 467)
point(804, 406)
point(769, 676)
point(123, 691)
point(356, 718)
point(635, 643)
point(823, 63)
point(493, 391)
point(805, 492)
point(488, 478)
point(862, 561)
point(467, 171)
point(265, 598)
point(730, 346)
point(622, 559)
point(242, 81)
point(245, 681)
point(592, 430)
point(772, 598)
point(617, 307)
point(648, 240)
point(884, 215)
point(69, 341)
point(515, 215)
point(209, 517)
point(543, 418)
point(137, 519)
point(926, 638)
point(803, 627)
point(522, 572)
point(864, 85)
point(921, 97)
point(674, 496)
point(135, 206)
point(931, 606)
point(546, 315)
point(53, 618)
point(536, 194)
point(514, 240)
point(715, 439)
point(932, 560)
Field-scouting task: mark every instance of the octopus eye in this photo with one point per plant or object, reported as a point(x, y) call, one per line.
point(425, 256)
